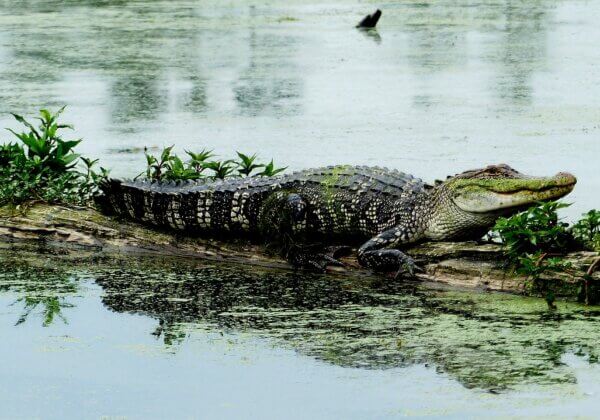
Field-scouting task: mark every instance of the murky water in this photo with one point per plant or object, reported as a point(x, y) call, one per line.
point(441, 87)
point(172, 338)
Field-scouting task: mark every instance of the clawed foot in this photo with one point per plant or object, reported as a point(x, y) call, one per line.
point(388, 260)
point(407, 268)
point(310, 259)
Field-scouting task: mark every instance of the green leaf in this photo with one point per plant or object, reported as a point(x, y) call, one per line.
point(26, 123)
point(166, 153)
point(70, 158)
point(201, 156)
point(70, 144)
point(46, 116)
point(60, 111)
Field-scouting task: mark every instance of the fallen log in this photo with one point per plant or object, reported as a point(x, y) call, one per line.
point(81, 230)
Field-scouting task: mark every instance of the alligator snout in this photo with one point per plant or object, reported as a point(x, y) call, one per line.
point(566, 178)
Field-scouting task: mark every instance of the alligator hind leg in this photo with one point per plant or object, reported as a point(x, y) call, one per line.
point(378, 254)
point(283, 224)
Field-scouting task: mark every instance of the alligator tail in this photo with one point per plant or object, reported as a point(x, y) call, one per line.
point(157, 203)
point(128, 199)
point(111, 200)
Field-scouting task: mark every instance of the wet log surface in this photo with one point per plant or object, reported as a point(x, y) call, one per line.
point(84, 231)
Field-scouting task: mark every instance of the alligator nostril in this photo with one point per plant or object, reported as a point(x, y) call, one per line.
point(567, 177)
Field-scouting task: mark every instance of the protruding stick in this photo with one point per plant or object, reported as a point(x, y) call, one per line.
point(370, 20)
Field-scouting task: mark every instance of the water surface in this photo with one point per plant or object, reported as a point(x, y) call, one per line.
point(442, 87)
point(174, 338)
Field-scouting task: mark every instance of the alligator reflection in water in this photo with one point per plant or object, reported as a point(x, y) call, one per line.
point(487, 341)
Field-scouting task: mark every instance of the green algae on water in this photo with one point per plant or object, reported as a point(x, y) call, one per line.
point(487, 341)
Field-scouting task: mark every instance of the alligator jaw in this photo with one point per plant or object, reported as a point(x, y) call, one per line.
point(506, 196)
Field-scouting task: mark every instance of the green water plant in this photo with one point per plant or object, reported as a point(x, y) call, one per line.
point(537, 240)
point(198, 160)
point(221, 168)
point(587, 230)
point(44, 144)
point(170, 167)
point(536, 230)
point(271, 170)
point(247, 164)
point(41, 165)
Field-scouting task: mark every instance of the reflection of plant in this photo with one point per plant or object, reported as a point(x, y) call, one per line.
point(40, 289)
point(171, 332)
point(52, 307)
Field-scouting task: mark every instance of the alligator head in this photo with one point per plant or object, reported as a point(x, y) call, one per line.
point(474, 199)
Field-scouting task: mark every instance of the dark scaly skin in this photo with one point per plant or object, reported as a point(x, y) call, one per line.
point(337, 204)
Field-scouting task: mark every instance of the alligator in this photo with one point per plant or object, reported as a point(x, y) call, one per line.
point(304, 212)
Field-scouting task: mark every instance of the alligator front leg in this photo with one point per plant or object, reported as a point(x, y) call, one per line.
point(283, 224)
point(379, 253)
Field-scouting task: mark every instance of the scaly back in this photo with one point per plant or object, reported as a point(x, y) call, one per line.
point(234, 204)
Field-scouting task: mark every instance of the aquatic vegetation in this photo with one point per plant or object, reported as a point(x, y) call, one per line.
point(221, 169)
point(271, 170)
point(536, 241)
point(537, 229)
point(487, 341)
point(287, 19)
point(42, 165)
point(587, 230)
point(540, 230)
point(170, 167)
point(247, 165)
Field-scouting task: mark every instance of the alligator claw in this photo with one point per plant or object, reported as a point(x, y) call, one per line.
point(408, 267)
point(331, 260)
point(303, 258)
point(318, 261)
point(314, 265)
